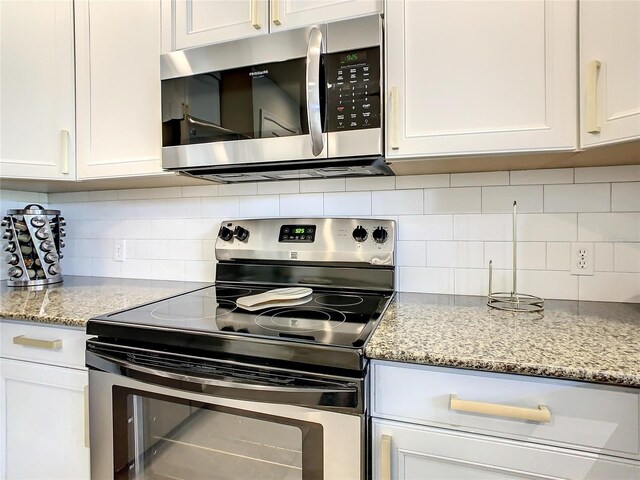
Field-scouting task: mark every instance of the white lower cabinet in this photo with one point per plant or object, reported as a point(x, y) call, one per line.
point(445, 423)
point(43, 407)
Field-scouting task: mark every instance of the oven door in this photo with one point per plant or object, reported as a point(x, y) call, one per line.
point(149, 423)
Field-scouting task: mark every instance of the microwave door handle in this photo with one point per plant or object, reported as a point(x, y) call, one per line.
point(313, 90)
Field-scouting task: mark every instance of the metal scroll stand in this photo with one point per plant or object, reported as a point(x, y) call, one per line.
point(513, 301)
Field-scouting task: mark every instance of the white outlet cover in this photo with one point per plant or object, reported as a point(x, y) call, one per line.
point(119, 250)
point(582, 258)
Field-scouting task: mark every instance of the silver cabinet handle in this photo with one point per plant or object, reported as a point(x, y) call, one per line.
point(313, 90)
point(393, 140)
point(540, 414)
point(64, 151)
point(275, 14)
point(37, 343)
point(254, 15)
point(591, 108)
point(385, 457)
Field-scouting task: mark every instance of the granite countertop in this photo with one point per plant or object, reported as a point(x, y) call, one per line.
point(585, 341)
point(77, 299)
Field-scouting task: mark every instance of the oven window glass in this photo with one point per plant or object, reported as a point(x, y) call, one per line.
point(160, 437)
point(261, 101)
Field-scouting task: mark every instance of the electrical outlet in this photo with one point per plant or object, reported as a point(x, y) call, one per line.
point(119, 250)
point(582, 259)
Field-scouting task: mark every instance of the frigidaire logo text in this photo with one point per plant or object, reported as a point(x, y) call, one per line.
point(259, 72)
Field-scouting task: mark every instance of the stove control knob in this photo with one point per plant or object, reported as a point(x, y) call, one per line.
point(359, 234)
point(241, 233)
point(380, 235)
point(225, 234)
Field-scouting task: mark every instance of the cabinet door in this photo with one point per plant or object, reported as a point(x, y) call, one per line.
point(480, 76)
point(200, 22)
point(119, 119)
point(295, 13)
point(402, 451)
point(37, 107)
point(609, 71)
point(42, 417)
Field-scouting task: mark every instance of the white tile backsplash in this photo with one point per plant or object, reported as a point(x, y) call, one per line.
point(448, 226)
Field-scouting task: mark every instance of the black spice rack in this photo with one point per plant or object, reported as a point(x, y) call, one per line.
point(34, 241)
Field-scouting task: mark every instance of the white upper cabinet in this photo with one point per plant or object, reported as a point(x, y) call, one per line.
point(609, 71)
point(191, 23)
point(37, 116)
point(118, 88)
point(480, 77)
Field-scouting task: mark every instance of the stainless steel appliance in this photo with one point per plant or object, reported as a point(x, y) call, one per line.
point(301, 103)
point(197, 386)
point(34, 240)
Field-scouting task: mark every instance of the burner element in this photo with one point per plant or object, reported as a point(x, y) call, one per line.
point(338, 300)
point(227, 292)
point(306, 320)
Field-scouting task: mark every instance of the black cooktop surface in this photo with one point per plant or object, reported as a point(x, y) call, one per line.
point(326, 317)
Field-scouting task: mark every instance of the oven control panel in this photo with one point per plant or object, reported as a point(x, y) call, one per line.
point(297, 233)
point(353, 89)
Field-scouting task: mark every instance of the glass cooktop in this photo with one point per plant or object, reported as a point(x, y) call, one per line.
point(328, 317)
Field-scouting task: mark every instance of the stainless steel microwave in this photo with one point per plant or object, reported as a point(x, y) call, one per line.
point(302, 103)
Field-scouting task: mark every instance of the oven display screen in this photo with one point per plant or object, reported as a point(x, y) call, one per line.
point(297, 233)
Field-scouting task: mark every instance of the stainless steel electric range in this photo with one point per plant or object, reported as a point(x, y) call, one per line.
point(261, 375)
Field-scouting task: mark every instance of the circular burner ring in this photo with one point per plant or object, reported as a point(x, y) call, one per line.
point(224, 307)
point(228, 292)
point(273, 314)
point(343, 300)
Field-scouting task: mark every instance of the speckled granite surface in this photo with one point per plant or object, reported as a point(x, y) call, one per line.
point(77, 299)
point(586, 341)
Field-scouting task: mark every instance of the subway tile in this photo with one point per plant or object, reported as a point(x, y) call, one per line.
point(209, 249)
point(77, 229)
point(455, 254)
point(146, 193)
point(259, 206)
point(168, 270)
point(530, 255)
point(281, 186)
point(592, 197)
point(425, 227)
point(411, 253)
point(479, 179)
point(626, 257)
point(625, 197)
point(623, 173)
point(397, 202)
point(323, 185)
point(76, 266)
point(68, 197)
point(370, 183)
point(184, 250)
point(200, 271)
point(558, 256)
point(559, 285)
point(547, 227)
point(200, 191)
point(183, 207)
point(202, 229)
point(216, 207)
point(74, 211)
point(149, 249)
point(609, 227)
point(170, 228)
point(610, 287)
point(603, 253)
point(541, 177)
point(103, 229)
point(106, 268)
point(104, 195)
point(232, 189)
point(302, 205)
point(475, 281)
point(93, 248)
point(500, 199)
point(438, 180)
point(135, 268)
point(150, 208)
point(452, 200)
point(70, 249)
point(426, 280)
point(487, 227)
point(347, 203)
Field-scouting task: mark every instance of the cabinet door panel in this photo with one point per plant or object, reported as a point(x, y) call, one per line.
point(610, 33)
point(481, 76)
point(200, 22)
point(295, 13)
point(37, 107)
point(119, 121)
point(42, 411)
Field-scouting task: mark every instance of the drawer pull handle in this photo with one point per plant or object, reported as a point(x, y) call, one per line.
point(540, 414)
point(385, 457)
point(37, 343)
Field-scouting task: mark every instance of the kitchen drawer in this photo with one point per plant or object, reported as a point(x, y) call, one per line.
point(51, 345)
point(582, 416)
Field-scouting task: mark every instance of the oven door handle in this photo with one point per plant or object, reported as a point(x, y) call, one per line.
point(335, 396)
point(314, 51)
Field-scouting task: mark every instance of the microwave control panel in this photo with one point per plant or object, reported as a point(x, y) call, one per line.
point(353, 89)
